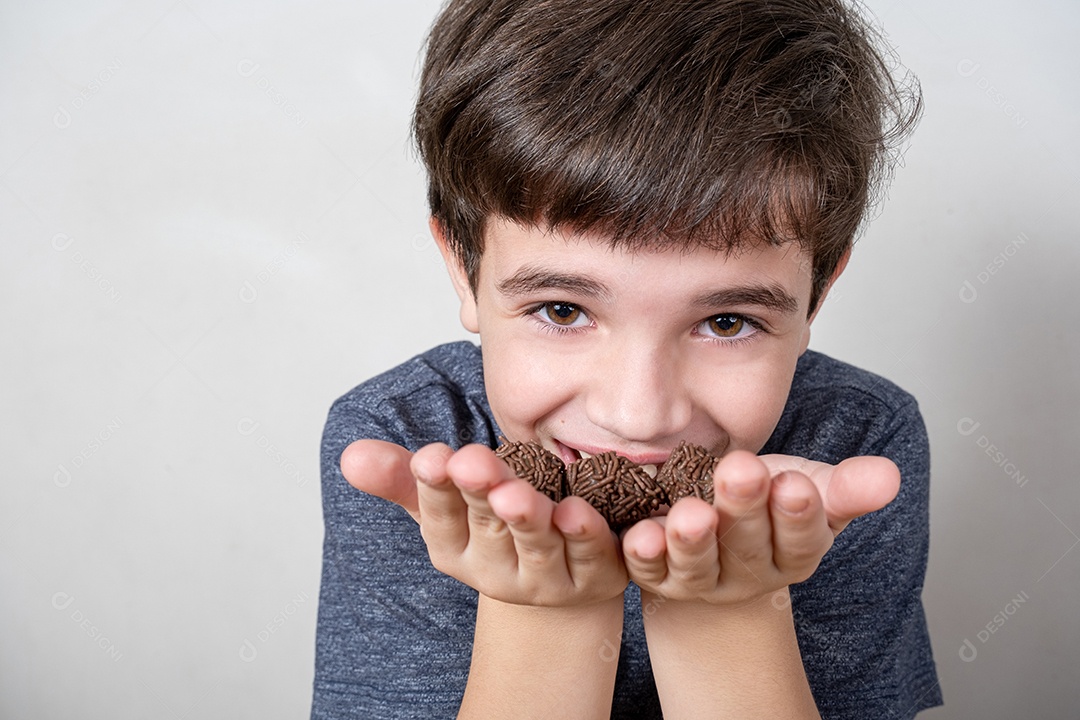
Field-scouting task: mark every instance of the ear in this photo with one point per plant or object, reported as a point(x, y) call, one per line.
point(458, 277)
point(824, 293)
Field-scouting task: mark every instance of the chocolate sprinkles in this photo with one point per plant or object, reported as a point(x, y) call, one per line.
point(542, 468)
point(688, 472)
point(620, 490)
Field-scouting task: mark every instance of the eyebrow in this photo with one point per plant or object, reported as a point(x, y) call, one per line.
point(772, 297)
point(529, 280)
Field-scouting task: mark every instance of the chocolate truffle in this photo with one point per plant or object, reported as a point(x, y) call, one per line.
point(542, 468)
point(688, 471)
point(619, 489)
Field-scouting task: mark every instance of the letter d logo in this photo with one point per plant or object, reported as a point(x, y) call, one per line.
point(62, 478)
point(246, 426)
point(61, 242)
point(246, 67)
point(968, 293)
point(248, 293)
point(967, 426)
point(62, 118)
point(62, 600)
point(609, 652)
point(248, 653)
point(967, 68)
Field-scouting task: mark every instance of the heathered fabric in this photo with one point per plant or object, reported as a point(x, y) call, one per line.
point(395, 635)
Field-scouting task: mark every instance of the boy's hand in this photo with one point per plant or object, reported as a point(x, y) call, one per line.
point(490, 529)
point(773, 519)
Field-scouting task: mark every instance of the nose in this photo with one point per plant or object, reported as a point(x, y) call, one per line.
point(639, 394)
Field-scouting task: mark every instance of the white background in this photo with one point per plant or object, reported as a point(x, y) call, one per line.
point(213, 226)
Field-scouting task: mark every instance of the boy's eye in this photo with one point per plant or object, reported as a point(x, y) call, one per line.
point(562, 314)
point(731, 327)
point(726, 325)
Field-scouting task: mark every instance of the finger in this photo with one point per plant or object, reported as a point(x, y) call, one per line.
point(692, 548)
point(858, 486)
point(645, 552)
point(779, 463)
point(443, 513)
point(801, 533)
point(475, 471)
point(592, 555)
point(745, 529)
point(528, 514)
point(382, 469)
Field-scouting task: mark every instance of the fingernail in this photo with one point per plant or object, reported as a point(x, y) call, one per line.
point(651, 553)
point(576, 530)
point(741, 489)
point(513, 519)
point(792, 505)
point(692, 537)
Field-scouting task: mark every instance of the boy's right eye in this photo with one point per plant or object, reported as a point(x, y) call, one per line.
point(560, 314)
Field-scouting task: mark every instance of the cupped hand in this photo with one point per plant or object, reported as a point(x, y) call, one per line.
point(852, 488)
point(773, 519)
point(491, 530)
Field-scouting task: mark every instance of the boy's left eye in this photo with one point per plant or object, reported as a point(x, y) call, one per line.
point(729, 327)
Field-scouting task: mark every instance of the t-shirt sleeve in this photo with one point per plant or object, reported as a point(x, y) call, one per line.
point(859, 619)
point(388, 621)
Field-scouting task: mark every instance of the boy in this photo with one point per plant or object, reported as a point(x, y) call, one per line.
point(642, 207)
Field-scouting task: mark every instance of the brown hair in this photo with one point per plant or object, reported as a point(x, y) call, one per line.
point(660, 123)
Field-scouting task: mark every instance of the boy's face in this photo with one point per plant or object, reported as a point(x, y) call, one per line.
point(587, 348)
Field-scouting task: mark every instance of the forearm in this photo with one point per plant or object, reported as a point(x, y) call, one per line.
point(541, 662)
point(713, 661)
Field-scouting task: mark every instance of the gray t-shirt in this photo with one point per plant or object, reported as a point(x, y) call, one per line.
point(395, 635)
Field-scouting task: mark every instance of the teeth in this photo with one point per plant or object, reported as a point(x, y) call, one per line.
point(584, 455)
point(651, 469)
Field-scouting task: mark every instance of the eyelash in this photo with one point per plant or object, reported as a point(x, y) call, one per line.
point(547, 325)
point(729, 342)
point(550, 327)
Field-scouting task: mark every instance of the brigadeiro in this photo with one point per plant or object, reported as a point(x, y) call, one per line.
point(620, 490)
point(688, 471)
point(542, 468)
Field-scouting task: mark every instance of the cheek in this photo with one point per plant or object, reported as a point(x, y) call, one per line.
point(523, 386)
point(749, 404)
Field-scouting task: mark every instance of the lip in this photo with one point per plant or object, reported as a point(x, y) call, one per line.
point(571, 453)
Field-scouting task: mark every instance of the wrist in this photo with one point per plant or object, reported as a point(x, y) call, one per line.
point(589, 616)
point(578, 633)
point(549, 661)
point(741, 658)
point(771, 610)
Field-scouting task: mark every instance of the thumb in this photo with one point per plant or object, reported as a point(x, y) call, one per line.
point(851, 488)
point(381, 469)
point(858, 486)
